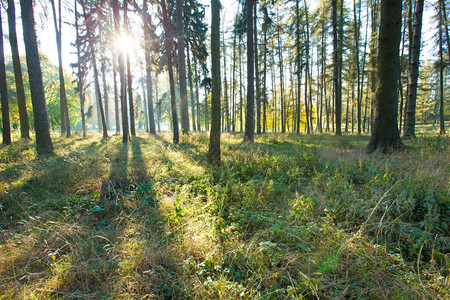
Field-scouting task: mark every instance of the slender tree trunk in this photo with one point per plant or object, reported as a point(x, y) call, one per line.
point(280, 60)
point(168, 46)
point(197, 94)
point(258, 88)
point(44, 145)
point(65, 123)
point(191, 86)
point(122, 78)
point(226, 108)
point(241, 102)
point(184, 110)
point(206, 110)
point(250, 114)
point(116, 95)
point(129, 76)
point(81, 72)
point(6, 127)
point(264, 125)
point(337, 88)
point(20, 91)
point(148, 68)
point(441, 70)
point(105, 94)
point(410, 120)
point(233, 89)
point(214, 137)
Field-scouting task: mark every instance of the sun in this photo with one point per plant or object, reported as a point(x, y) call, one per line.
point(123, 43)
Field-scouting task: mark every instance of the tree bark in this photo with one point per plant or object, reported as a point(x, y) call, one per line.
point(410, 120)
point(385, 135)
point(21, 100)
point(6, 127)
point(184, 110)
point(148, 63)
point(65, 123)
point(250, 113)
point(168, 46)
point(214, 137)
point(81, 73)
point(44, 145)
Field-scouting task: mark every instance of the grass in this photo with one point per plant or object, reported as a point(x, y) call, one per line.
point(288, 217)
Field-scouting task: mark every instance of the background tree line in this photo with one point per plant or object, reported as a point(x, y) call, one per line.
point(285, 66)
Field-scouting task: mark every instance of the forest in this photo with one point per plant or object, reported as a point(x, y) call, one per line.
point(196, 149)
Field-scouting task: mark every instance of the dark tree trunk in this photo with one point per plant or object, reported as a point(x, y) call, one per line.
point(258, 88)
point(337, 87)
point(250, 114)
point(21, 102)
point(441, 69)
point(410, 117)
point(184, 110)
point(44, 145)
point(214, 137)
point(385, 135)
point(6, 127)
point(168, 46)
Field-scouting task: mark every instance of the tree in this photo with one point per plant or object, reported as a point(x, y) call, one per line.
point(81, 71)
point(44, 145)
point(21, 103)
point(385, 134)
point(410, 117)
point(6, 130)
point(214, 137)
point(169, 48)
point(57, 21)
point(184, 111)
point(336, 72)
point(148, 66)
point(250, 115)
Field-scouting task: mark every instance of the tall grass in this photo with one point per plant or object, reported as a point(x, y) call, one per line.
point(287, 217)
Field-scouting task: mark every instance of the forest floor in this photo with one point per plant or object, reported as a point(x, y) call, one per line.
point(288, 217)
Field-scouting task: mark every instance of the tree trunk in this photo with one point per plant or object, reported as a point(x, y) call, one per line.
point(191, 86)
point(21, 102)
point(81, 73)
point(441, 70)
point(6, 127)
point(184, 110)
point(65, 123)
point(214, 137)
point(44, 145)
point(410, 120)
point(250, 113)
point(280, 60)
point(116, 94)
point(385, 135)
point(258, 88)
point(148, 63)
point(168, 46)
point(337, 87)
point(105, 94)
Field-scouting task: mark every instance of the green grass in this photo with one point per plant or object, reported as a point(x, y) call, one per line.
point(288, 217)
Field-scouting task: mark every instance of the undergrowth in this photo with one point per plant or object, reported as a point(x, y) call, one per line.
point(288, 217)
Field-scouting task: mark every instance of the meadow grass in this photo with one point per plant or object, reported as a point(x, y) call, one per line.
point(288, 217)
